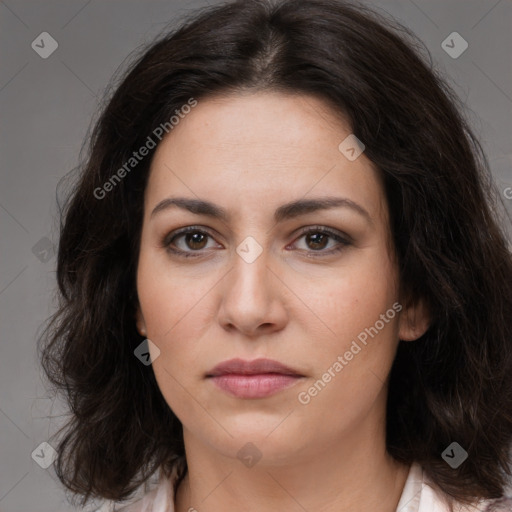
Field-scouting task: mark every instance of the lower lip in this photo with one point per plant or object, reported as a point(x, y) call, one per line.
point(254, 386)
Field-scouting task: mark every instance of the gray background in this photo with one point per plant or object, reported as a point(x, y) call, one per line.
point(46, 108)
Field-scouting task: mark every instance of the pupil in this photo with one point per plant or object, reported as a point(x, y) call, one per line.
point(316, 242)
point(195, 238)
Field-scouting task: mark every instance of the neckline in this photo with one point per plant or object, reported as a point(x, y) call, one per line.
point(410, 499)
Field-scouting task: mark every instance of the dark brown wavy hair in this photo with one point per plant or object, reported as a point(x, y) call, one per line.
point(452, 384)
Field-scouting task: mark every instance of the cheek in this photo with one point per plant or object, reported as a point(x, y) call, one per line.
point(350, 371)
point(359, 334)
point(177, 311)
point(168, 296)
point(170, 315)
point(351, 301)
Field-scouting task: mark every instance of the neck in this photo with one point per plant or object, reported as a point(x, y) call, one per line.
point(360, 477)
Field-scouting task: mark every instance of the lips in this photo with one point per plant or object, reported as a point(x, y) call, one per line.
point(253, 379)
point(255, 367)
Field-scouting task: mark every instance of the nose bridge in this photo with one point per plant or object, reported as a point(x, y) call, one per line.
point(250, 267)
point(248, 297)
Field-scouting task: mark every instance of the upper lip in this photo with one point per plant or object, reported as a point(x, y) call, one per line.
point(255, 367)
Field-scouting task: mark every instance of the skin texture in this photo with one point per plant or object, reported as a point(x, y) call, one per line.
point(251, 153)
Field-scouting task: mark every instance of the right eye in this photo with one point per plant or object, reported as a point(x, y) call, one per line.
point(193, 240)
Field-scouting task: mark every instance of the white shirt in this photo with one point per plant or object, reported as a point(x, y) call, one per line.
point(418, 495)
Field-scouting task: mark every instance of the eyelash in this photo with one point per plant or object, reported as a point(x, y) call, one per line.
point(171, 237)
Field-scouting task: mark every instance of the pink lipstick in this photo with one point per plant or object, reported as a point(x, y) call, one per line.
point(253, 379)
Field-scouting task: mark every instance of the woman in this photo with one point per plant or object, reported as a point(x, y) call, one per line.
point(283, 287)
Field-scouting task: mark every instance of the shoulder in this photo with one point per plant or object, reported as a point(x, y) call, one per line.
point(157, 495)
point(155, 500)
point(420, 494)
point(499, 505)
point(433, 499)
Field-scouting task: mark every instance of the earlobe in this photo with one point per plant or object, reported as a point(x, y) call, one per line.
point(414, 321)
point(139, 321)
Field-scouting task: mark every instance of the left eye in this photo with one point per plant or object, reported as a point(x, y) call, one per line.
point(318, 238)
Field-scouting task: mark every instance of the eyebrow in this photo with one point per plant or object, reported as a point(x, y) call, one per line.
point(286, 211)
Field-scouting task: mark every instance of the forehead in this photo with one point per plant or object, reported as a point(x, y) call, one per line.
point(263, 146)
point(262, 124)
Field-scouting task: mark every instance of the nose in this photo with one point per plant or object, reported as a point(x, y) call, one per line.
point(253, 297)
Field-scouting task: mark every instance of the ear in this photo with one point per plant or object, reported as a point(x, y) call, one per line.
point(414, 320)
point(139, 321)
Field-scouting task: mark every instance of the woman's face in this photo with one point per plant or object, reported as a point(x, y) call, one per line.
point(254, 284)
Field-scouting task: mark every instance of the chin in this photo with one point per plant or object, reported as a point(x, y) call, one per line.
point(271, 446)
